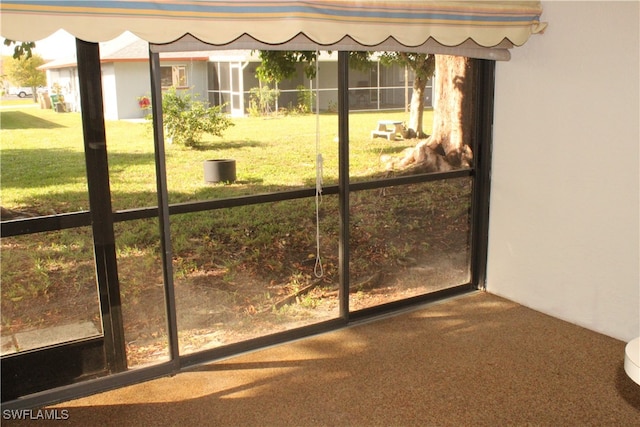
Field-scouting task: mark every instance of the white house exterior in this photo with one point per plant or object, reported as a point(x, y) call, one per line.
point(125, 76)
point(223, 78)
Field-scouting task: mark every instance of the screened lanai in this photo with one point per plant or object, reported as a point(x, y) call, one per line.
point(177, 272)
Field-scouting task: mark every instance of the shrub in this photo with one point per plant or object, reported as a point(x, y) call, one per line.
point(262, 101)
point(186, 119)
point(306, 99)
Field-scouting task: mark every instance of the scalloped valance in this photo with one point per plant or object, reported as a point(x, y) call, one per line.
point(364, 24)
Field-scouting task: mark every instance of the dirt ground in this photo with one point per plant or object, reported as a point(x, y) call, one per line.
point(212, 311)
point(210, 314)
point(216, 308)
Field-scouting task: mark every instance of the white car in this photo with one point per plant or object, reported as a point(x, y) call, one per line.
point(22, 92)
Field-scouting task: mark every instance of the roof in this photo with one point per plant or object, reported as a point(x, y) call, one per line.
point(128, 48)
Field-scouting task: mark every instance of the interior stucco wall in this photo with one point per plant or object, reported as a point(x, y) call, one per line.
point(564, 214)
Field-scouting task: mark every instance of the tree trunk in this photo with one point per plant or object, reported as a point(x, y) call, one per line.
point(414, 128)
point(449, 146)
point(422, 66)
point(454, 99)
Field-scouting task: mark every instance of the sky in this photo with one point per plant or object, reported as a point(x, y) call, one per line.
point(59, 45)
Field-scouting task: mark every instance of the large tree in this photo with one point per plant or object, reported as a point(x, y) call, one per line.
point(449, 146)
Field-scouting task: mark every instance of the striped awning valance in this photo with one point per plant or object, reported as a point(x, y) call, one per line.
point(366, 23)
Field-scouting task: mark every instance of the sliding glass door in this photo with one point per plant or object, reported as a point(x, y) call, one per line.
point(126, 257)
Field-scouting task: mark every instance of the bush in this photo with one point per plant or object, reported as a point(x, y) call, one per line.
point(262, 101)
point(186, 120)
point(306, 99)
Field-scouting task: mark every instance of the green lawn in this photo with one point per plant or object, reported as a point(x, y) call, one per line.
point(17, 102)
point(43, 172)
point(43, 164)
point(232, 267)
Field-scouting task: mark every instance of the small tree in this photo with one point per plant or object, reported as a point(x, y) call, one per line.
point(23, 72)
point(276, 66)
point(423, 67)
point(186, 120)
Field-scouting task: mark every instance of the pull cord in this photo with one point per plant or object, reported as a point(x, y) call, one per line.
point(318, 269)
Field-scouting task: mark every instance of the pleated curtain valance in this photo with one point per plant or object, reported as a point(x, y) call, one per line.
point(424, 26)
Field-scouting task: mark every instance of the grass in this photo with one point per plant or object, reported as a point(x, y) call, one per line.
point(43, 164)
point(17, 102)
point(244, 258)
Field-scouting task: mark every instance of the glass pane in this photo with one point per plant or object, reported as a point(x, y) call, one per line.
point(142, 292)
point(224, 77)
point(409, 240)
point(273, 147)
point(422, 125)
point(133, 185)
point(413, 239)
point(131, 164)
point(369, 157)
point(180, 76)
point(166, 76)
point(49, 292)
point(43, 167)
point(248, 271)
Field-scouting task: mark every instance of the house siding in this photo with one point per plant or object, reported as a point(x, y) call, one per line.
point(127, 79)
point(131, 81)
point(109, 92)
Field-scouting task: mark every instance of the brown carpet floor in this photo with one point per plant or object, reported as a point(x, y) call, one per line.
point(475, 360)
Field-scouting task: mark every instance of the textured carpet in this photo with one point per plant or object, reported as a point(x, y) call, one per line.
point(475, 360)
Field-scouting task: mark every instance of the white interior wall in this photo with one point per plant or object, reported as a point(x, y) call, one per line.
point(564, 214)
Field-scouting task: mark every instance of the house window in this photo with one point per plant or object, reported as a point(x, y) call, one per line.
point(174, 75)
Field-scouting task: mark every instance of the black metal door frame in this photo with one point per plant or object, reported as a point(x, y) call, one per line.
point(102, 219)
point(67, 363)
point(95, 148)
